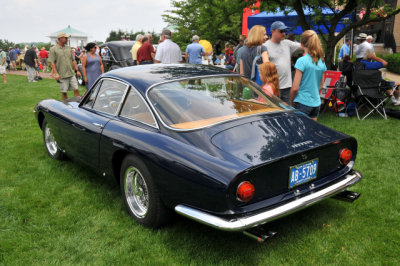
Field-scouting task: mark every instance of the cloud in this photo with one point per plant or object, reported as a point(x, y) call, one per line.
point(29, 20)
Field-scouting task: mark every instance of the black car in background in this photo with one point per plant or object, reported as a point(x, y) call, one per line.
point(116, 54)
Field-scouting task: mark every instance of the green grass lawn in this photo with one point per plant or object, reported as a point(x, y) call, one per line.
point(55, 212)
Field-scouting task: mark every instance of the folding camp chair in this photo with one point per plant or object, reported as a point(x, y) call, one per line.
point(330, 80)
point(370, 92)
point(334, 92)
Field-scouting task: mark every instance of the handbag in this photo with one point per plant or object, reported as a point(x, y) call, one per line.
point(255, 73)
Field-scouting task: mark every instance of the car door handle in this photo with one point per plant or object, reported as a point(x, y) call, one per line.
point(98, 125)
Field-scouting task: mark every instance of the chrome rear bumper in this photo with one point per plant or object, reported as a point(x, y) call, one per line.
point(247, 222)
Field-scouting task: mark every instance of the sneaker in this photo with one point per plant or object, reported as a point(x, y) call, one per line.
point(396, 102)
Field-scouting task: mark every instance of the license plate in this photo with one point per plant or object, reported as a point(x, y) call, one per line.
point(303, 173)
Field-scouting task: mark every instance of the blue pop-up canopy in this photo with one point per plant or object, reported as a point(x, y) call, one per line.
point(291, 20)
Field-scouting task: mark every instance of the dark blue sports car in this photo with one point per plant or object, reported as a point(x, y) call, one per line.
point(202, 141)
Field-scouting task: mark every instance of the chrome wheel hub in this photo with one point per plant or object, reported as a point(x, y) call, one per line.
point(136, 192)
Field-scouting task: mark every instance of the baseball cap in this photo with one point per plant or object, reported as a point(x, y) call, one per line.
point(278, 25)
point(63, 34)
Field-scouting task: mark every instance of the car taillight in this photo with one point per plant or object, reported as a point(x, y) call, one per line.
point(245, 191)
point(345, 156)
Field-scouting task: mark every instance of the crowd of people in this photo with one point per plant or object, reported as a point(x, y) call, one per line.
point(282, 66)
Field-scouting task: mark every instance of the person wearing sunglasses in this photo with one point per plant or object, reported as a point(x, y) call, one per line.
point(280, 51)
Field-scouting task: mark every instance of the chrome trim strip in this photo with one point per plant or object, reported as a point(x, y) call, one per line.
point(244, 223)
point(216, 123)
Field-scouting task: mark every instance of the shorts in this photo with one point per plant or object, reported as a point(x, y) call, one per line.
point(68, 84)
point(312, 112)
point(2, 70)
point(43, 61)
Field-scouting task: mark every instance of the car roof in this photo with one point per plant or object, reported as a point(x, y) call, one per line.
point(145, 76)
point(120, 49)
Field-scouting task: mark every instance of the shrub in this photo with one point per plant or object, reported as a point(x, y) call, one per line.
point(393, 62)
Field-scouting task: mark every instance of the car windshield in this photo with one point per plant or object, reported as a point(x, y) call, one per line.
point(196, 103)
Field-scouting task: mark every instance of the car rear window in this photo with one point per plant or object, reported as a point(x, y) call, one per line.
point(195, 103)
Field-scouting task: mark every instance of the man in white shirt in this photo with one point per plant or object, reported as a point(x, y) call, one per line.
point(279, 52)
point(361, 47)
point(168, 52)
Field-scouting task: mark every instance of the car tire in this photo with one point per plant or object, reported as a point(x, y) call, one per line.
point(140, 194)
point(50, 142)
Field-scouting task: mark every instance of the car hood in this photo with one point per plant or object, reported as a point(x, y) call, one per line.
point(274, 137)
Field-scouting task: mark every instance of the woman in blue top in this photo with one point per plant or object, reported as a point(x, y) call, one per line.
point(92, 66)
point(310, 68)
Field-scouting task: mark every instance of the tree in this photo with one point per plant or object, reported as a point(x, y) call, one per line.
point(375, 11)
point(118, 35)
point(5, 44)
point(209, 19)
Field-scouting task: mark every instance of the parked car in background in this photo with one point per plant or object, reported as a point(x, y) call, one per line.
point(202, 141)
point(116, 54)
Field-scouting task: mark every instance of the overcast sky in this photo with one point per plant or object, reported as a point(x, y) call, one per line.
point(33, 20)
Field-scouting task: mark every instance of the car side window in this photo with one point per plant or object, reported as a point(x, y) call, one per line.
point(109, 96)
point(93, 93)
point(135, 108)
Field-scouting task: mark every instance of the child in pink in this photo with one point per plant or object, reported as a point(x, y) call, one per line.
point(269, 77)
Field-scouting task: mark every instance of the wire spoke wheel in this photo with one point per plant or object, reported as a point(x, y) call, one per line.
point(136, 192)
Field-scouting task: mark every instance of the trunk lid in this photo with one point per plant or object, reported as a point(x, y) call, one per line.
point(274, 145)
point(274, 137)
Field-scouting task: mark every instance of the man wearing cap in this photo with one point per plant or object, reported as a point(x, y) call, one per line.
point(31, 63)
point(3, 64)
point(280, 51)
point(168, 52)
point(64, 66)
point(194, 51)
point(136, 47)
point(361, 47)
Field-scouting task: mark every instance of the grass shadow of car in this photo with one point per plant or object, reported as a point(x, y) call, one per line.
point(292, 230)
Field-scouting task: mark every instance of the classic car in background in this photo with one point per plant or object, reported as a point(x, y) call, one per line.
point(202, 141)
point(116, 54)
